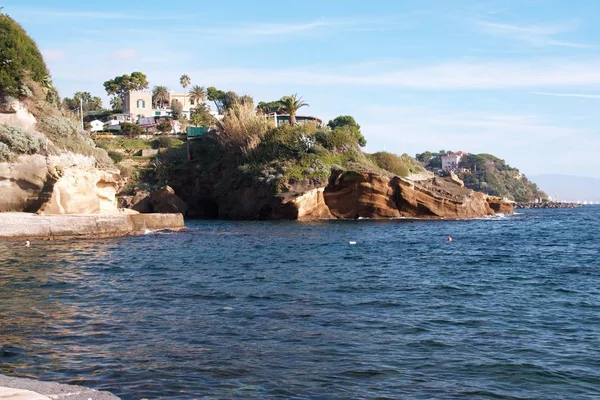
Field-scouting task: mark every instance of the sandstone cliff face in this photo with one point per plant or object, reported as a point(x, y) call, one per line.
point(33, 183)
point(350, 195)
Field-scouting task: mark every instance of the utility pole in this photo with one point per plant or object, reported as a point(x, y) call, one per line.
point(81, 112)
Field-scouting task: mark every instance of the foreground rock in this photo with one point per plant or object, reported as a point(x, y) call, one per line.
point(48, 227)
point(49, 185)
point(29, 389)
point(163, 200)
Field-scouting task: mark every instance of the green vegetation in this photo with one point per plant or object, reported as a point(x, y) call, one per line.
point(120, 85)
point(165, 126)
point(20, 59)
point(398, 165)
point(131, 130)
point(290, 105)
point(89, 103)
point(488, 174)
point(14, 141)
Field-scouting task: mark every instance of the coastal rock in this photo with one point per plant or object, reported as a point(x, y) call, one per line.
point(83, 191)
point(21, 183)
point(164, 200)
point(307, 206)
point(501, 206)
point(354, 195)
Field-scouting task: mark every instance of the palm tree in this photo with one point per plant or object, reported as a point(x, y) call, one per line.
point(291, 104)
point(198, 94)
point(160, 95)
point(185, 82)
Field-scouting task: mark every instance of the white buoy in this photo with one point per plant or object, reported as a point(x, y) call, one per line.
point(352, 242)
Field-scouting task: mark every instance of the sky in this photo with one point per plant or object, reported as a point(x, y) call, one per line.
point(519, 79)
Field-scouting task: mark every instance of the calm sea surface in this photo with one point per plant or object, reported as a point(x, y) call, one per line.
point(288, 310)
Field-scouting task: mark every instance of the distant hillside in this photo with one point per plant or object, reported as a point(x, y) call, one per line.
point(488, 174)
point(570, 188)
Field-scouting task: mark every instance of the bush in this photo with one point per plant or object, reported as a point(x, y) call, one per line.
point(130, 129)
point(19, 141)
point(115, 156)
point(242, 128)
point(66, 135)
point(390, 162)
point(163, 142)
point(5, 153)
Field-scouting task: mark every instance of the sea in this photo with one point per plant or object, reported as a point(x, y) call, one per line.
point(510, 309)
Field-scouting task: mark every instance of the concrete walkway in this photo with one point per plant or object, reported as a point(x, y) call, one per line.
point(29, 389)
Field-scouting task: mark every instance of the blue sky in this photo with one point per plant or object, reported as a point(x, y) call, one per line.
point(518, 79)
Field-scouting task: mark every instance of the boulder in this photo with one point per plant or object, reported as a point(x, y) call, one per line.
point(22, 182)
point(83, 191)
point(165, 201)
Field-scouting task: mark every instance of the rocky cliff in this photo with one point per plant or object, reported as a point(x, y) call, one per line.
point(351, 195)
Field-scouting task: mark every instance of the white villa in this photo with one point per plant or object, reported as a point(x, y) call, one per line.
point(451, 161)
point(138, 104)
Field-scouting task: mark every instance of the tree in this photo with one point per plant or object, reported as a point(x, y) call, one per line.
point(290, 105)
point(201, 116)
point(165, 127)
point(116, 103)
point(349, 122)
point(176, 109)
point(131, 130)
point(88, 102)
point(216, 96)
point(185, 82)
point(160, 96)
point(197, 94)
point(269, 107)
point(20, 59)
point(230, 98)
point(120, 85)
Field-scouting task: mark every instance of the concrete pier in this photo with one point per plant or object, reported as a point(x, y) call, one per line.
point(29, 389)
point(25, 226)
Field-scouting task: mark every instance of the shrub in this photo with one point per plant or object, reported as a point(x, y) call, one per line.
point(130, 129)
point(165, 126)
point(390, 162)
point(66, 135)
point(242, 128)
point(5, 153)
point(163, 142)
point(115, 156)
point(19, 141)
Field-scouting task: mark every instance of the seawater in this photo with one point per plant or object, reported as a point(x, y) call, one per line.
point(289, 310)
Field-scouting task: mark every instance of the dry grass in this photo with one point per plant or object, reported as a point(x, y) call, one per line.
point(242, 129)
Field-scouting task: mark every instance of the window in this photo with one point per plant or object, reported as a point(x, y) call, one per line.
point(192, 102)
point(157, 113)
point(141, 104)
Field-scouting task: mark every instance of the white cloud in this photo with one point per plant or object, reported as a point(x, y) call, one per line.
point(54, 55)
point(124, 54)
point(581, 95)
point(533, 34)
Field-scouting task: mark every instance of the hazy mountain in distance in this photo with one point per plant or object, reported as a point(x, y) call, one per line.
point(568, 187)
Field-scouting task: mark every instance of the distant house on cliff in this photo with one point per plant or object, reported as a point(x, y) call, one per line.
point(451, 162)
point(284, 119)
point(138, 104)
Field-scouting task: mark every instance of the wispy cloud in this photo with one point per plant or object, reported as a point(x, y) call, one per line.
point(97, 15)
point(321, 25)
point(475, 75)
point(533, 34)
point(581, 95)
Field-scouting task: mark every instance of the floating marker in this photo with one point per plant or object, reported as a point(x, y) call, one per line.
point(351, 242)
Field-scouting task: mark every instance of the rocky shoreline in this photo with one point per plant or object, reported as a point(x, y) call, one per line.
point(27, 226)
point(545, 205)
point(30, 389)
